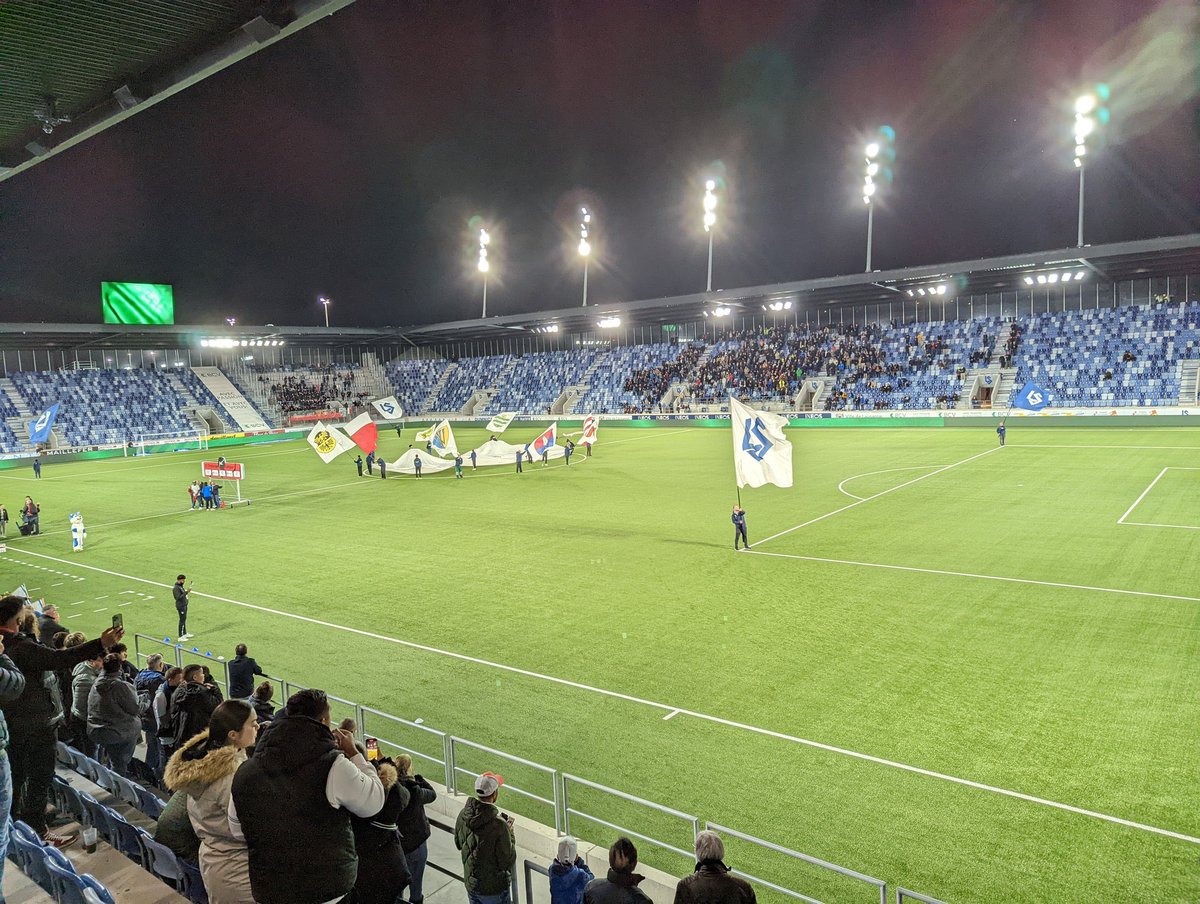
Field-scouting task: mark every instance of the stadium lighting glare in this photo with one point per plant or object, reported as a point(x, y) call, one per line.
point(911, 293)
point(921, 292)
point(608, 323)
point(1080, 275)
point(942, 289)
point(585, 247)
point(483, 266)
point(1091, 112)
point(1029, 280)
point(1052, 278)
point(721, 311)
point(1041, 278)
point(880, 157)
point(324, 302)
point(710, 223)
point(231, 320)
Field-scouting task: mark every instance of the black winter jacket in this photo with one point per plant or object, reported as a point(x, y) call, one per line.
point(616, 888)
point(413, 823)
point(191, 706)
point(34, 709)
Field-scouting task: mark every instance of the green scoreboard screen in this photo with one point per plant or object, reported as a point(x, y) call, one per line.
point(127, 302)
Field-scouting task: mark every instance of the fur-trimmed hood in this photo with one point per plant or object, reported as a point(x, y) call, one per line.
point(387, 776)
point(195, 774)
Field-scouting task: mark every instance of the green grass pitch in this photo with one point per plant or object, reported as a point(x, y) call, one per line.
point(618, 575)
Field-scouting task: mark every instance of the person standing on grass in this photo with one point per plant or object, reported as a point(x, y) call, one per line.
point(739, 526)
point(417, 465)
point(3, 522)
point(520, 458)
point(181, 594)
point(370, 464)
point(567, 450)
point(473, 467)
point(383, 468)
point(37, 468)
point(1000, 431)
point(359, 463)
point(458, 467)
point(31, 514)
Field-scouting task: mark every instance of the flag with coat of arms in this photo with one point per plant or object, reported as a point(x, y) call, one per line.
point(548, 438)
point(442, 440)
point(762, 453)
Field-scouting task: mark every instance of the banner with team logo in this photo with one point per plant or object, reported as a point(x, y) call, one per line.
point(329, 442)
point(500, 422)
point(761, 451)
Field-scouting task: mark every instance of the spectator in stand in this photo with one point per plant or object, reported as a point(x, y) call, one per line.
point(146, 684)
point(204, 769)
point(484, 836)
point(242, 670)
point(113, 720)
point(192, 705)
point(162, 713)
point(569, 875)
point(83, 676)
point(414, 825)
point(48, 625)
point(261, 701)
point(12, 685)
point(292, 802)
point(382, 870)
point(349, 726)
point(29, 716)
point(711, 882)
point(128, 670)
point(620, 886)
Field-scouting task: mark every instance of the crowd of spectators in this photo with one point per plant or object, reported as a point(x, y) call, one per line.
point(651, 383)
point(317, 391)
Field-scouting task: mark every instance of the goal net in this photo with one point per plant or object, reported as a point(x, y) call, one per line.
point(176, 441)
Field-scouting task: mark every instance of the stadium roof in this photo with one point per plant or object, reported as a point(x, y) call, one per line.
point(1162, 257)
point(72, 68)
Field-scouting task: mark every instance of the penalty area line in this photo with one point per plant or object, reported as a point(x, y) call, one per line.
point(671, 710)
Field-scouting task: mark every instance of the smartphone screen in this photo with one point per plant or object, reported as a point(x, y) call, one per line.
point(118, 621)
point(372, 749)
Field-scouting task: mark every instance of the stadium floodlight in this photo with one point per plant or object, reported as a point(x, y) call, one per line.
point(880, 155)
point(483, 266)
point(1091, 112)
point(1041, 278)
point(585, 247)
point(231, 320)
point(325, 301)
point(710, 223)
point(608, 323)
point(1029, 280)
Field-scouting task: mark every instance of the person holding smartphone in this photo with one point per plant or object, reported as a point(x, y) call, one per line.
point(181, 605)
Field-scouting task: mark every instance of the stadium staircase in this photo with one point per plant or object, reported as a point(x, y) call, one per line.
point(16, 415)
point(812, 393)
point(1189, 382)
point(372, 378)
point(571, 397)
point(480, 398)
point(204, 418)
point(431, 399)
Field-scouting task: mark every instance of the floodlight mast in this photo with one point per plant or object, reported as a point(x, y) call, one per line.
point(483, 265)
point(325, 301)
point(710, 223)
point(872, 152)
point(1091, 112)
point(585, 247)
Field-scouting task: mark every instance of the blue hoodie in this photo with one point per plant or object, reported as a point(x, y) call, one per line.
point(568, 880)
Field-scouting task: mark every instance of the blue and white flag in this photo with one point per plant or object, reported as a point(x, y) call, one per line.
point(39, 430)
point(1032, 398)
point(761, 452)
point(389, 408)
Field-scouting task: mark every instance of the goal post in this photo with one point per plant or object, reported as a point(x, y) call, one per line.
point(169, 441)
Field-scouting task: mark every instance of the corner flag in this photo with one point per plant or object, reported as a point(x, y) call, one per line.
point(39, 430)
point(761, 452)
point(1032, 398)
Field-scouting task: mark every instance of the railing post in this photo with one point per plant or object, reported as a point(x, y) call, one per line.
point(566, 806)
point(557, 818)
point(446, 762)
point(453, 766)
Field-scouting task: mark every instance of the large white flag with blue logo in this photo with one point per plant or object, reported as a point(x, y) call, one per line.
point(761, 451)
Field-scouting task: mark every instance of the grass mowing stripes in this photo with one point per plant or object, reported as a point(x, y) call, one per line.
point(619, 573)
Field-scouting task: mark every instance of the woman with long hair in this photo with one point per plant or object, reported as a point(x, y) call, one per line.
point(203, 768)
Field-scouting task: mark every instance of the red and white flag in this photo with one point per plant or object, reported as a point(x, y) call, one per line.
point(364, 432)
point(590, 424)
point(546, 440)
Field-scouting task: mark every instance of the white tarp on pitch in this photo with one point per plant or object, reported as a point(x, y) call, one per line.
point(491, 453)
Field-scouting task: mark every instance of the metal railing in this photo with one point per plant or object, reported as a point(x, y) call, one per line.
point(903, 894)
point(530, 869)
point(370, 717)
point(455, 770)
point(568, 811)
point(878, 884)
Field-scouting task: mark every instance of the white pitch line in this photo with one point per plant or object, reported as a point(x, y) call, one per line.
point(59, 584)
point(76, 615)
point(1152, 524)
point(766, 732)
point(1099, 446)
point(841, 486)
point(671, 715)
point(981, 577)
point(877, 495)
point(103, 609)
point(1129, 510)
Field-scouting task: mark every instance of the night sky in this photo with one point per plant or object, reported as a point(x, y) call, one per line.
point(348, 159)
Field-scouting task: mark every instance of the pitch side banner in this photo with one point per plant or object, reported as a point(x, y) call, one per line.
point(231, 470)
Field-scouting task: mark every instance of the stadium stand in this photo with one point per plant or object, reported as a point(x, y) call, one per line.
point(468, 377)
point(536, 381)
point(413, 381)
point(606, 393)
point(106, 406)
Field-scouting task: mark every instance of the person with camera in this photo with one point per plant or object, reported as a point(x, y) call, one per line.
point(382, 869)
point(414, 825)
point(484, 835)
point(292, 802)
point(182, 595)
point(30, 717)
point(112, 715)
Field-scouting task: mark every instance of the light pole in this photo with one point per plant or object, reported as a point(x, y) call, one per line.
point(1091, 110)
point(325, 301)
point(585, 248)
point(484, 266)
point(880, 154)
point(710, 223)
